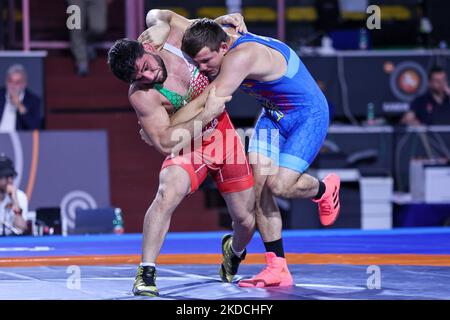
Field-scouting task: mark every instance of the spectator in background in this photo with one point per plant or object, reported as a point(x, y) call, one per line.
point(433, 107)
point(13, 202)
point(94, 14)
point(19, 108)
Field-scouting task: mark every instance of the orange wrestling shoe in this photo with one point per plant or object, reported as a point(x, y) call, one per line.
point(276, 274)
point(329, 205)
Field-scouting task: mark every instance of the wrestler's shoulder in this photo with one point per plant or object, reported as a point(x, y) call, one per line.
point(141, 91)
point(244, 53)
point(137, 93)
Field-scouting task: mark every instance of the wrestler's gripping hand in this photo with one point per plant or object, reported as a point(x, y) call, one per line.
point(215, 105)
point(235, 19)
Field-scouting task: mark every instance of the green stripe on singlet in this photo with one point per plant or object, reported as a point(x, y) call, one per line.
point(176, 99)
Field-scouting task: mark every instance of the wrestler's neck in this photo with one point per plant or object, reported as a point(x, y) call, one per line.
point(232, 38)
point(171, 61)
point(176, 67)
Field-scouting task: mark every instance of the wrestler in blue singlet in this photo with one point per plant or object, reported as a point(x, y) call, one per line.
point(293, 105)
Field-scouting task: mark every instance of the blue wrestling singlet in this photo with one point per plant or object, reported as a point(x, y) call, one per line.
point(295, 117)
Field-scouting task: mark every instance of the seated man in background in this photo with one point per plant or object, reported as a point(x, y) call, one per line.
point(13, 202)
point(433, 107)
point(20, 109)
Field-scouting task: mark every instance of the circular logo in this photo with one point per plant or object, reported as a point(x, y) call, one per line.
point(72, 201)
point(408, 80)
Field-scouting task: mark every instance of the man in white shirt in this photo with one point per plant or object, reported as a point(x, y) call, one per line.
point(13, 202)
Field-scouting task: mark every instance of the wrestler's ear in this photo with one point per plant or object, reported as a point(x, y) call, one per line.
point(148, 47)
point(224, 47)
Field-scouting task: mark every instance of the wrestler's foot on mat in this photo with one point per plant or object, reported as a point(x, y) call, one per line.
point(329, 205)
point(230, 263)
point(144, 284)
point(276, 274)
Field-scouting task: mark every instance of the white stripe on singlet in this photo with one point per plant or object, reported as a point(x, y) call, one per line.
point(179, 53)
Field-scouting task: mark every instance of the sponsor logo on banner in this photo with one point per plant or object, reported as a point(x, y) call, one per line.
point(408, 80)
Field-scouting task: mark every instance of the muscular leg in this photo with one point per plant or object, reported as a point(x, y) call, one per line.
point(268, 216)
point(241, 206)
point(269, 222)
point(174, 184)
point(288, 183)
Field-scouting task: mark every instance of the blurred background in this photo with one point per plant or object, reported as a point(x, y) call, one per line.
point(84, 168)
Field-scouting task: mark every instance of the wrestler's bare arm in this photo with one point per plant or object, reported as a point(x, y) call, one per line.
point(155, 122)
point(236, 66)
point(164, 25)
point(156, 16)
point(191, 110)
point(153, 119)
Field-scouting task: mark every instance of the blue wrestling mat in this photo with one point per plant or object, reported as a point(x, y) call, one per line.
point(325, 264)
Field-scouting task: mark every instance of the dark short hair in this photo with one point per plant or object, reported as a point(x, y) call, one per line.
point(122, 58)
point(435, 69)
point(203, 33)
point(6, 167)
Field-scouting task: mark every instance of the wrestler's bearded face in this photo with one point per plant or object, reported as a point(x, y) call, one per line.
point(150, 69)
point(209, 61)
